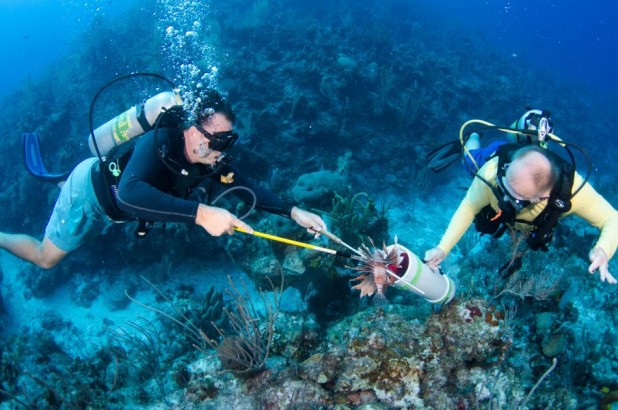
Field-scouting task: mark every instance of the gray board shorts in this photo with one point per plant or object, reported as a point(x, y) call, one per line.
point(77, 217)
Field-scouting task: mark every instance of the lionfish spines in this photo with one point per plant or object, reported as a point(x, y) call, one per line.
point(376, 267)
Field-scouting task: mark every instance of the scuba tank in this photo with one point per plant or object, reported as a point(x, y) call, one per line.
point(134, 122)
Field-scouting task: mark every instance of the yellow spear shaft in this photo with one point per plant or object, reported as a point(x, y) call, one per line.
point(292, 242)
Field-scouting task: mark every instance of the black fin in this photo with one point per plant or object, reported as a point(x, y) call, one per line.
point(443, 156)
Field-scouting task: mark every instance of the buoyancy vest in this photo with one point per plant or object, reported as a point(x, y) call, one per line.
point(493, 222)
point(106, 177)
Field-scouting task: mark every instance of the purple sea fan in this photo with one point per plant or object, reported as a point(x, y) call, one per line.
point(375, 265)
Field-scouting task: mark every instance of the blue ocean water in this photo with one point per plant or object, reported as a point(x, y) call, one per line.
point(571, 41)
point(36, 33)
point(337, 107)
point(574, 41)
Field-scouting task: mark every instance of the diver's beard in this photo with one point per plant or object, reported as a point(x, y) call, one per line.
point(202, 151)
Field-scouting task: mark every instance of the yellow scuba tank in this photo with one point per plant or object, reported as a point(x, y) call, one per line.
point(132, 123)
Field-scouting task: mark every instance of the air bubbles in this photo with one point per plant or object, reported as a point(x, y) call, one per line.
point(189, 56)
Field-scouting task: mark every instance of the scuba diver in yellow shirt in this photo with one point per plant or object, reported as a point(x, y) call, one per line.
point(526, 187)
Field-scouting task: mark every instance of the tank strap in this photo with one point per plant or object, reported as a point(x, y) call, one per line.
point(141, 116)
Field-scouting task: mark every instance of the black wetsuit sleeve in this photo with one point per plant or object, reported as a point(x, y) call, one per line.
point(145, 186)
point(266, 200)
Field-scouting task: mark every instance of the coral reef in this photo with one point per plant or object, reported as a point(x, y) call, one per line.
point(369, 87)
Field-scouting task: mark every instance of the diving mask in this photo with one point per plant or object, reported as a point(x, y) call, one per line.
point(219, 141)
point(518, 204)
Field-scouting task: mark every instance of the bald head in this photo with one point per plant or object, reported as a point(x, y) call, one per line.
point(531, 174)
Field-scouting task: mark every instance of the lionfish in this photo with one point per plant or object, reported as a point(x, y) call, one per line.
point(374, 264)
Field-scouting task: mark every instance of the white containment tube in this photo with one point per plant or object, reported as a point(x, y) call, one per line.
point(132, 123)
point(417, 277)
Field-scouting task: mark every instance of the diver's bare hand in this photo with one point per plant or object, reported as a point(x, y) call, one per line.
point(599, 260)
point(218, 221)
point(433, 257)
point(306, 219)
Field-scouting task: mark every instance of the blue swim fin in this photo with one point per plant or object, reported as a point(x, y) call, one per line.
point(34, 161)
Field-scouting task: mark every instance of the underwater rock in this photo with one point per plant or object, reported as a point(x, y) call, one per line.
point(85, 293)
point(292, 301)
point(203, 312)
point(609, 401)
point(380, 360)
point(389, 358)
point(294, 394)
point(545, 322)
point(605, 372)
point(264, 266)
point(114, 296)
point(554, 345)
point(296, 336)
point(346, 62)
point(52, 320)
point(470, 332)
point(255, 256)
point(317, 189)
point(292, 264)
point(42, 283)
point(323, 368)
point(262, 259)
point(463, 338)
point(181, 375)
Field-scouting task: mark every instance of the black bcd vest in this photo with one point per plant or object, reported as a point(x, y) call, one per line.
point(489, 221)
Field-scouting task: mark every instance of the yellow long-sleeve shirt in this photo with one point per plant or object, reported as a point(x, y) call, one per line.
point(588, 204)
